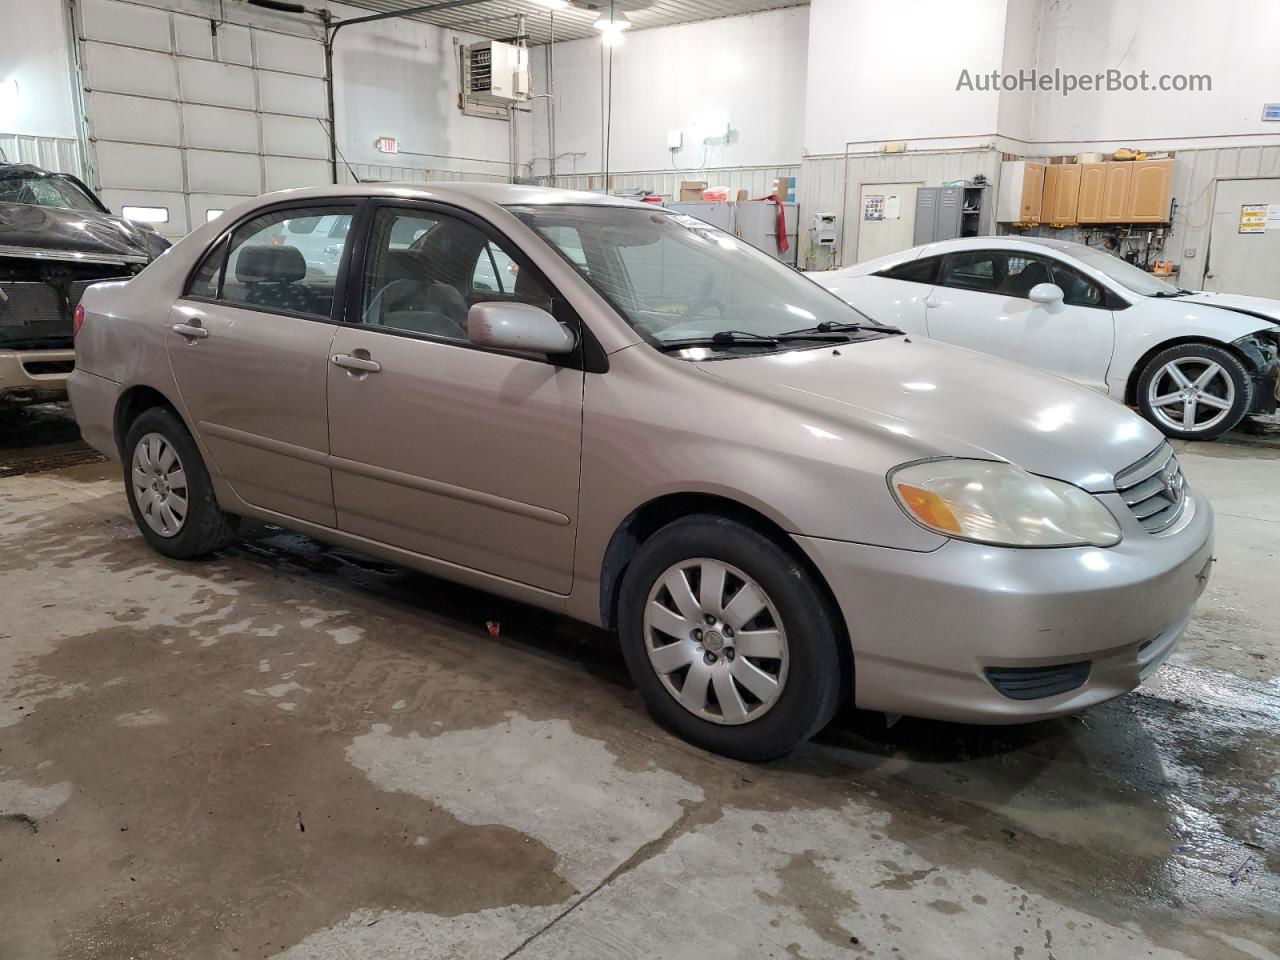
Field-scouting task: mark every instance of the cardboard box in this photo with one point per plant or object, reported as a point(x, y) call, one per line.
point(692, 189)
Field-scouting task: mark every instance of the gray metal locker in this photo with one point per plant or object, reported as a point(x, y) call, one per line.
point(938, 213)
point(926, 215)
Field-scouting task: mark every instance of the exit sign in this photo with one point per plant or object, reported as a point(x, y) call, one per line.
point(387, 145)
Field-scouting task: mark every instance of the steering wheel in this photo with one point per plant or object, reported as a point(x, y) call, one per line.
point(700, 302)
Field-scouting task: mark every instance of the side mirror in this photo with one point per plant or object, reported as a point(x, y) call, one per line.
point(1046, 293)
point(517, 326)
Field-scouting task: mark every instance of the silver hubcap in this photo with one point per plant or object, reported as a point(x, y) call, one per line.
point(716, 641)
point(159, 485)
point(1191, 393)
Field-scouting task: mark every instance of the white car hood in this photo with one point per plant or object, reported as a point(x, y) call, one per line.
point(937, 400)
point(1263, 309)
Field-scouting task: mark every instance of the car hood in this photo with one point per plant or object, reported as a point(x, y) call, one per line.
point(79, 235)
point(938, 400)
point(1259, 308)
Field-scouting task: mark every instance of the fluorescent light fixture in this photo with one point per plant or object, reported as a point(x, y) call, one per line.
point(211, 215)
point(612, 36)
point(146, 214)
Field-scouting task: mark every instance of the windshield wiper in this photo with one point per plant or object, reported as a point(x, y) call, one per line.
point(1176, 293)
point(745, 338)
point(828, 326)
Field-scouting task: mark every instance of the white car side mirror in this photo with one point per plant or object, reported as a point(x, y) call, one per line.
point(518, 326)
point(1046, 293)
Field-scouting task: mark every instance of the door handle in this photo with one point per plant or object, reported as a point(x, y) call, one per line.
point(192, 331)
point(349, 362)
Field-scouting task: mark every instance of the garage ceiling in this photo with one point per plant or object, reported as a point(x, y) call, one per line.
point(496, 19)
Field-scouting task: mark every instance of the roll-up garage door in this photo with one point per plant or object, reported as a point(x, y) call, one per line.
point(188, 117)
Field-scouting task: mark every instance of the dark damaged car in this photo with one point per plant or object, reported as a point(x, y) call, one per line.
point(56, 238)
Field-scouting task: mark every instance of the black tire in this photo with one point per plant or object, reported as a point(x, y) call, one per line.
point(814, 683)
point(205, 527)
point(1230, 364)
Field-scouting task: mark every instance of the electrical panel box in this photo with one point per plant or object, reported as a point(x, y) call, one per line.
point(825, 229)
point(496, 73)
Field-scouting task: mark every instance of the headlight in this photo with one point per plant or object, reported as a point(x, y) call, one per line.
point(999, 503)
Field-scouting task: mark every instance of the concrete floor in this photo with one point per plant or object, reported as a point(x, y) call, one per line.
point(293, 750)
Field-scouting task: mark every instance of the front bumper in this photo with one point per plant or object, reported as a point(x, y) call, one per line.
point(35, 374)
point(926, 627)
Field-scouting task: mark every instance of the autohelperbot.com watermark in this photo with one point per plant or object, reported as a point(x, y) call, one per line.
point(1066, 83)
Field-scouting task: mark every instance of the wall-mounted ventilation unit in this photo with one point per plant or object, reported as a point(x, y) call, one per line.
point(496, 73)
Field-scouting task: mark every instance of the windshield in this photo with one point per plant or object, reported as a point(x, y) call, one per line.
point(1122, 272)
point(676, 279)
point(46, 191)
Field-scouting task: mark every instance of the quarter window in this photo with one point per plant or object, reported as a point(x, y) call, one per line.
point(425, 271)
point(913, 271)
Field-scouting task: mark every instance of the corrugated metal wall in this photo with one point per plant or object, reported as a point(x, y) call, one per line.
point(832, 184)
point(1195, 173)
point(52, 153)
point(757, 181)
point(379, 172)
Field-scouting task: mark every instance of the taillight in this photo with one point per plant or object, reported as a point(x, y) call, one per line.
point(77, 319)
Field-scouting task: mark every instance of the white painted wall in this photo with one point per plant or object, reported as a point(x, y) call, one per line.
point(1234, 43)
point(749, 70)
point(887, 71)
point(35, 78)
point(399, 78)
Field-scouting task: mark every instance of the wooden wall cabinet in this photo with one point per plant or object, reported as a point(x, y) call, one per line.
point(1150, 184)
point(1115, 191)
point(1122, 191)
point(1093, 177)
point(1061, 194)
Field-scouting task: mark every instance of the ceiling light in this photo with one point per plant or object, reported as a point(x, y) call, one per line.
point(611, 36)
point(615, 22)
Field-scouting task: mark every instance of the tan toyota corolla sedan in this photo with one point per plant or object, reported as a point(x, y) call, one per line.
point(626, 415)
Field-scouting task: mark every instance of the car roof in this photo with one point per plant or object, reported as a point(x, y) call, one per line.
point(500, 194)
point(1005, 242)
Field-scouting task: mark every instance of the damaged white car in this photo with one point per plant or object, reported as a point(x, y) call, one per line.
point(1194, 363)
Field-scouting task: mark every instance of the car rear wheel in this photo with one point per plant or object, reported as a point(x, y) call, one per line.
point(1195, 391)
point(731, 643)
point(169, 491)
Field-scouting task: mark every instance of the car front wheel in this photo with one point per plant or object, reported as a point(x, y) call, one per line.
point(731, 643)
point(169, 491)
point(1195, 391)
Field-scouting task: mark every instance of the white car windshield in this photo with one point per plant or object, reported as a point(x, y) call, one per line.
point(1124, 273)
point(684, 283)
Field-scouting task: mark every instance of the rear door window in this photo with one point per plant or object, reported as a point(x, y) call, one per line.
point(285, 260)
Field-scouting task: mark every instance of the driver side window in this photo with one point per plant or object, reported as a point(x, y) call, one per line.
point(425, 270)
